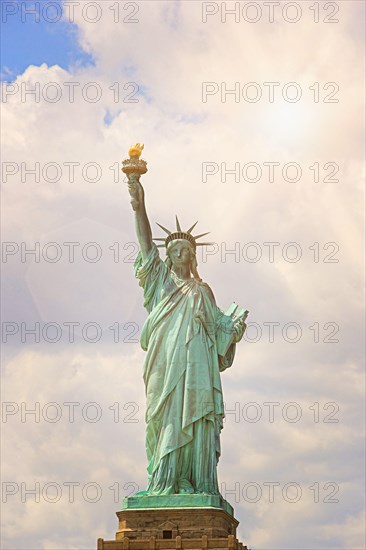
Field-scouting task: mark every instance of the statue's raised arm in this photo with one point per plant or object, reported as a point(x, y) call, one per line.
point(133, 168)
point(142, 224)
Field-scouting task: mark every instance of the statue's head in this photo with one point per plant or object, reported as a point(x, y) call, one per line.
point(181, 253)
point(181, 247)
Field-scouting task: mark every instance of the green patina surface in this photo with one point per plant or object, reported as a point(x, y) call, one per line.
point(188, 341)
point(185, 410)
point(176, 501)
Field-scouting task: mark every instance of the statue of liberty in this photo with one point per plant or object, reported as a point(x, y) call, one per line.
point(188, 341)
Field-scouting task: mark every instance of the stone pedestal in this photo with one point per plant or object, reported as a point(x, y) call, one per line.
point(170, 527)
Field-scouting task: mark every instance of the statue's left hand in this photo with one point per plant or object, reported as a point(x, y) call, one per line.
point(239, 328)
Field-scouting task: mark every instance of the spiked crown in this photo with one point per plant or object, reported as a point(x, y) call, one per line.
point(179, 234)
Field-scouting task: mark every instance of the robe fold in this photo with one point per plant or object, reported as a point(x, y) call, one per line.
point(185, 410)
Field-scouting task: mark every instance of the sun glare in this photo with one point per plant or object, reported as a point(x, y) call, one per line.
point(288, 123)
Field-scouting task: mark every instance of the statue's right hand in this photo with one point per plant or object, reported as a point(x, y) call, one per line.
point(137, 193)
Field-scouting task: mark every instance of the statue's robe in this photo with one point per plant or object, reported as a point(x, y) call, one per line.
point(185, 410)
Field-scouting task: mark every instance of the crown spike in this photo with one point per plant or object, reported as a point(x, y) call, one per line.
point(190, 229)
point(180, 234)
point(163, 228)
point(202, 235)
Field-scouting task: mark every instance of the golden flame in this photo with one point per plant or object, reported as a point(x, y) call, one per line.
point(136, 150)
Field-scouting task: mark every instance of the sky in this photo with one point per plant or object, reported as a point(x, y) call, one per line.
point(252, 116)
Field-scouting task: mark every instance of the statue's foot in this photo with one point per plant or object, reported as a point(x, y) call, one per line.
point(185, 487)
point(140, 493)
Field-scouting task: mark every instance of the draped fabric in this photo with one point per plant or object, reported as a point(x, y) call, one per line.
point(184, 413)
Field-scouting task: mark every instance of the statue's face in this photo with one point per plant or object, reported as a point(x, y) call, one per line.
point(180, 253)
